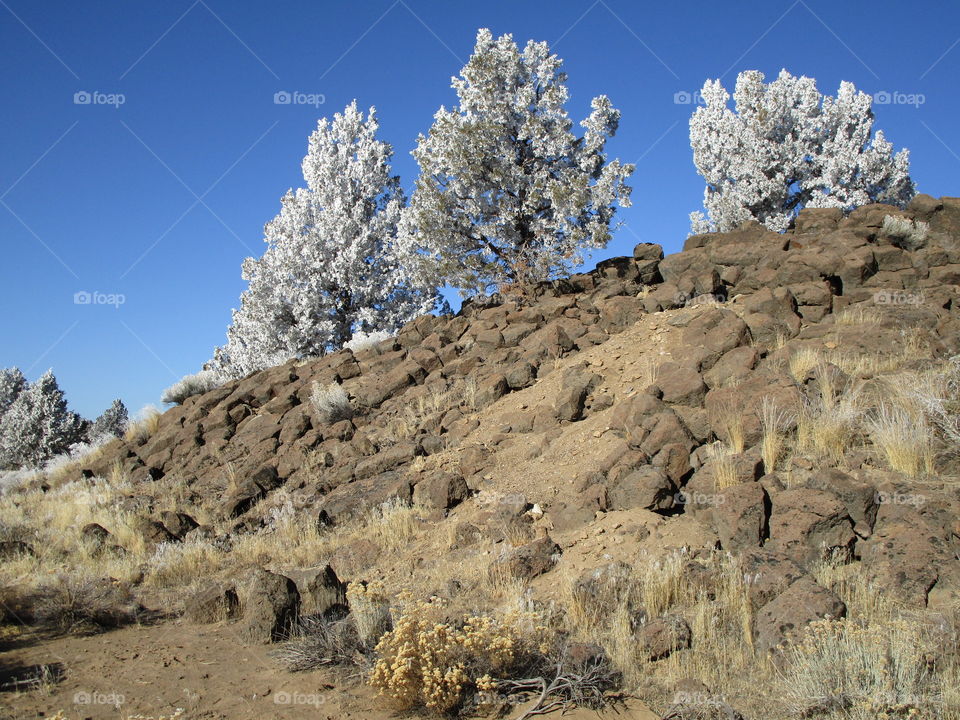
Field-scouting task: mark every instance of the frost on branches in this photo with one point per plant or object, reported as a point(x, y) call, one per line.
point(332, 266)
point(38, 426)
point(506, 191)
point(113, 422)
point(12, 383)
point(786, 147)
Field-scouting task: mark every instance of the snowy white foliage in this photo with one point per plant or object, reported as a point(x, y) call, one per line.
point(332, 266)
point(784, 147)
point(506, 191)
point(38, 426)
point(12, 383)
point(363, 340)
point(190, 385)
point(112, 423)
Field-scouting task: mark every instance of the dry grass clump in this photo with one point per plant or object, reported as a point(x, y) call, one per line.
point(936, 394)
point(430, 405)
point(80, 602)
point(828, 421)
point(905, 233)
point(731, 424)
point(858, 315)
point(802, 361)
point(331, 402)
point(883, 660)
point(904, 440)
point(143, 428)
point(369, 611)
point(181, 564)
point(190, 385)
point(321, 642)
point(858, 670)
point(393, 524)
point(724, 469)
point(426, 661)
point(613, 605)
point(774, 423)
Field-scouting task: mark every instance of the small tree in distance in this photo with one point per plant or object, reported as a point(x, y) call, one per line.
point(786, 147)
point(506, 191)
point(332, 266)
point(39, 426)
point(113, 421)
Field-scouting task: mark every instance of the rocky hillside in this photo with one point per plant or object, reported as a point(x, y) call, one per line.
point(685, 403)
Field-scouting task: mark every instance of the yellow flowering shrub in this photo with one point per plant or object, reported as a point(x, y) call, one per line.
point(427, 662)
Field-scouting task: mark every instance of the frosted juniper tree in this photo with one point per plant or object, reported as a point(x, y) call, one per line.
point(785, 147)
point(12, 383)
point(506, 191)
point(113, 422)
point(332, 266)
point(38, 425)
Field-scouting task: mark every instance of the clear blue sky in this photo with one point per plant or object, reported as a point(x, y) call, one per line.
point(160, 199)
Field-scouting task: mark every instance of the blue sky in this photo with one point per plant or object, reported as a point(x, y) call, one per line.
point(160, 198)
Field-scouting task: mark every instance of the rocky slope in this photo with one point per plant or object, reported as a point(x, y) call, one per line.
point(569, 427)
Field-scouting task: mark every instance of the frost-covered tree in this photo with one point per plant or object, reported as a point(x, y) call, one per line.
point(12, 383)
point(785, 147)
point(38, 425)
point(332, 266)
point(113, 421)
point(506, 191)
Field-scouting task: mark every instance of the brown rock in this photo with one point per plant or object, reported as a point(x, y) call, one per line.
point(739, 516)
point(440, 491)
point(269, 607)
point(647, 488)
point(681, 385)
point(809, 525)
point(321, 591)
point(212, 603)
point(659, 638)
point(800, 604)
point(527, 561)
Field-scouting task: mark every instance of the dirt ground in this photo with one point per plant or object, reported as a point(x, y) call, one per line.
point(152, 671)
